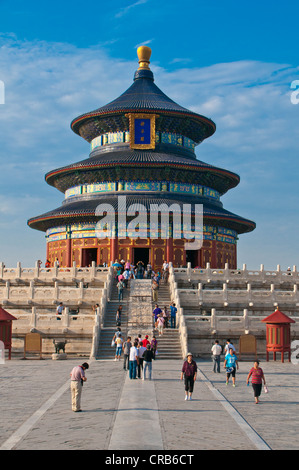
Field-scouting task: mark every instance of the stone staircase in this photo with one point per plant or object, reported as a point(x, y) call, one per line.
point(105, 351)
point(169, 346)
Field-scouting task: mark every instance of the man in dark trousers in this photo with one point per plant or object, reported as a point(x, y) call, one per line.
point(126, 348)
point(189, 372)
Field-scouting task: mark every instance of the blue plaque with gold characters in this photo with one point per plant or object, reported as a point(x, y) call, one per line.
point(142, 131)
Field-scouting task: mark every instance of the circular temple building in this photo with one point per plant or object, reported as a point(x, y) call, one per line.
point(127, 199)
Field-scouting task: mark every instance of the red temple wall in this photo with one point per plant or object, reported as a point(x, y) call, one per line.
point(84, 250)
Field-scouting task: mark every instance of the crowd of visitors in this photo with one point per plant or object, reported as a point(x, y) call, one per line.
point(138, 354)
point(124, 271)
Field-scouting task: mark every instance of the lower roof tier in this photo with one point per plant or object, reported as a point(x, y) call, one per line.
point(86, 210)
point(122, 163)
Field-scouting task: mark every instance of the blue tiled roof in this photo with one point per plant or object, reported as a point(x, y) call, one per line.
point(142, 96)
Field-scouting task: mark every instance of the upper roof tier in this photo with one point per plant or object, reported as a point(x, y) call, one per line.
point(143, 96)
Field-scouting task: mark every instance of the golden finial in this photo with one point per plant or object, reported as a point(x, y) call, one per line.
point(144, 55)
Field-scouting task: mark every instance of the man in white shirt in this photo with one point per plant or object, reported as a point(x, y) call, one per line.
point(126, 275)
point(133, 358)
point(216, 352)
point(229, 346)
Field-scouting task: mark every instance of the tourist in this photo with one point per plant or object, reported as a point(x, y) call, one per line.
point(257, 378)
point(148, 357)
point(59, 310)
point(119, 346)
point(118, 316)
point(116, 335)
point(128, 265)
point(156, 312)
point(95, 308)
point(160, 324)
point(126, 348)
point(47, 264)
point(140, 270)
point(77, 378)
point(155, 290)
point(166, 317)
point(231, 364)
point(154, 346)
point(139, 338)
point(126, 277)
point(173, 312)
point(145, 342)
point(120, 287)
point(132, 271)
point(189, 372)
point(141, 350)
point(216, 353)
point(149, 271)
point(229, 345)
point(133, 360)
point(165, 271)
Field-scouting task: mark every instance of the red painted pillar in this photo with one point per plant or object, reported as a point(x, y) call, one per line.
point(169, 250)
point(114, 249)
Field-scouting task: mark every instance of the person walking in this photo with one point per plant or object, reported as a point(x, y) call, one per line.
point(173, 312)
point(154, 345)
point(77, 378)
point(119, 347)
point(155, 289)
point(126, 348)
point(59, 310)
point(145, 342)
point(216, 353)
point(231, 364)
point(156, 312)
point(148, 357)
point(229, 345)
point(118, 316)
point(257, 378)
point(189, 373)
point(166, 317)
point(141, 350)
point(160, 324)
point(120, 287)
point(133, 360)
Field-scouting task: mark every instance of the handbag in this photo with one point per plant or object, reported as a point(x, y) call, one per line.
point(266, 389)
point(229, 369)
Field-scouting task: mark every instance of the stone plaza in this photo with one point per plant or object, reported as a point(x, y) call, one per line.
point(136, 415)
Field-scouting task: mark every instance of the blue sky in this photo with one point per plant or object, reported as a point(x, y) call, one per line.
point(232, 62)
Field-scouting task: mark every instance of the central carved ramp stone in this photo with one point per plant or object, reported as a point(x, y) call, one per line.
point(140, 308)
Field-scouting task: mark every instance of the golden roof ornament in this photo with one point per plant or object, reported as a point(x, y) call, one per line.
point(144, 55)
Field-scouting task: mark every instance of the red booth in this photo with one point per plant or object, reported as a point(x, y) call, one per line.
point(278, 334)
point(6, 320)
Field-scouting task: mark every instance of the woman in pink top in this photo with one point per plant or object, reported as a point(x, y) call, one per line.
point(257, 378)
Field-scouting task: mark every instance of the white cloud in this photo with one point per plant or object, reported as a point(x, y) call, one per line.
point(125, 10)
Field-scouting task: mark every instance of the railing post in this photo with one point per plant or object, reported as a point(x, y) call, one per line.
point(246, 321)
point(200, 293)
point(213, 321)
point(66, 317)
point(33, 321)
point(18, 271)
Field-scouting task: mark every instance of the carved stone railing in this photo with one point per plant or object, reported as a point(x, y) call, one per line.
point(245, 275)
point(48, 275)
